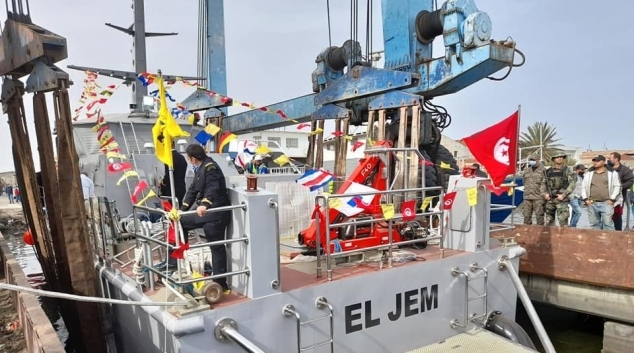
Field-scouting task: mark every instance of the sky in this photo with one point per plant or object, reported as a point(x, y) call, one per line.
point(575, 74)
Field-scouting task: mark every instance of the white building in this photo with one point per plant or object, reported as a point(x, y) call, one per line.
point(294, 144)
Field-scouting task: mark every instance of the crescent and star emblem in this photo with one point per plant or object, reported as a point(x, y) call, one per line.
point(501, 151)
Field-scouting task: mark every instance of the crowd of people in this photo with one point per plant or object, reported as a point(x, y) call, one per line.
point(602, 189)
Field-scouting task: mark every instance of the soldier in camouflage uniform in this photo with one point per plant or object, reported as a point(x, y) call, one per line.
point(534, 190)
point(559, 183)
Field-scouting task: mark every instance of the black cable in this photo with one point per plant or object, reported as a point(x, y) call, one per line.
point(439, 114)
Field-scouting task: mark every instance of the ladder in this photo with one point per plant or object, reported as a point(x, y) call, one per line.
point(135, 148)
point(478, 272)
point(321, 303)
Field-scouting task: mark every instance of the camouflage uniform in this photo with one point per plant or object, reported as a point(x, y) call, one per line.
point(559, 181)
point(534, 190)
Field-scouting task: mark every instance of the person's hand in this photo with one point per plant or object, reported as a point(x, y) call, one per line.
point(610, 202)
point(201, 210)
point(587, 202)
point(546, 197)
point(560, 197)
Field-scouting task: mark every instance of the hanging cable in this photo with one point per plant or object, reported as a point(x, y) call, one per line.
point(329, 30)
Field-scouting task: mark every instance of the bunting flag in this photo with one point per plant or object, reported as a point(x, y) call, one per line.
point(388, 211)
point(147, 79)
point(212, 129)
point(147, 197)
point(246, 150)
point(316, 131)
point(93, 97)
point(262, 149)
point(165, 130)
point(203, 137)
point(281, 160)
point(408, 210)
point(448, 202)
point(303, 125)
point(126, 175)
point(119, 167)
point(224, 141)
point(315, 179)
point(138, 189)
point(356, 145)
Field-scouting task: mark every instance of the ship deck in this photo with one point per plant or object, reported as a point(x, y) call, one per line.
point(301, 274)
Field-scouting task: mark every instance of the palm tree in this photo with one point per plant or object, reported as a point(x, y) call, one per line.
point(540, 134)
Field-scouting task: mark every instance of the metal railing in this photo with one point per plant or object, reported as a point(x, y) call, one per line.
point(498, 227)
point(287, 170)
point(505, 264)
point(328, 226)
point(226, 330)
point(147, 238)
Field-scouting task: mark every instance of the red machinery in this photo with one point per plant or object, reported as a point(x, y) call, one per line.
point(370, 172)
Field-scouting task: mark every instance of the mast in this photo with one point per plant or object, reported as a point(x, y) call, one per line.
point(139, 61)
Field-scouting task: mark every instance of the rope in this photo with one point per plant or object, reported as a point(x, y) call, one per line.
point(79, 298)
point(137, 270)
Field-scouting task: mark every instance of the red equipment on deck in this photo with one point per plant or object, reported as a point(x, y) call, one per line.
point(370, 172)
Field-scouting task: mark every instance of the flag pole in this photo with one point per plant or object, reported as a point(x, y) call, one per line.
point(177, 228)
point(517, 148)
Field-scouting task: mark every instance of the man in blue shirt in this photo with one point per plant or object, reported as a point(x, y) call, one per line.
point(256, 166)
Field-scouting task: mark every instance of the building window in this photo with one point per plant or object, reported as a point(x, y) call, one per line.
point(272, 141)
point(455, 154)
point(292, 142)
point(257, 138)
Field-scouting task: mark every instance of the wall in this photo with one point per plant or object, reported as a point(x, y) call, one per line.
point(293, 150)
point(38, 330)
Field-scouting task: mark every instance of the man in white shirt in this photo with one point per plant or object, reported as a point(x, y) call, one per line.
point(87, 186)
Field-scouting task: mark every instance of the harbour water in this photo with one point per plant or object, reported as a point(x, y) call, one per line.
point(570, 332)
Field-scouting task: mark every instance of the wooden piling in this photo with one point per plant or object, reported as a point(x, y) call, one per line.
point(75, 225)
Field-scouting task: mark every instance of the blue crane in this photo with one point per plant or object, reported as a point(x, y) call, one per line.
point(349, 90)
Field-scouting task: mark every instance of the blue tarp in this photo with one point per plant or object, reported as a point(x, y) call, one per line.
point(505, 199)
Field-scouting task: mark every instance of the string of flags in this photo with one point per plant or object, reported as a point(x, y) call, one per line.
point(92, 102)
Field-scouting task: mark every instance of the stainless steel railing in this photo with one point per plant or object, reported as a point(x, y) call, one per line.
point(147, 238)
point(389, 193)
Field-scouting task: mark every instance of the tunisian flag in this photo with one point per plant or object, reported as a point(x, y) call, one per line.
point(496, 148)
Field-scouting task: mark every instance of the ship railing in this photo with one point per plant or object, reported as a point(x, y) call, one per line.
point(146, 239)
point(499, 227)
point(373, 220)
point(287, 170)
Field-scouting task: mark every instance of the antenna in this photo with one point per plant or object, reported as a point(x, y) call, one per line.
point(137, 31)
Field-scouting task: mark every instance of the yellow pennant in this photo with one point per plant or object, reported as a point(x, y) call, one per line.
point(212, 129)
point(200, 284)
point(348, 137)
point(388, 211)
point(115, 155)
point(426, 202)
point(510, 192)
point(143, 200)
point(334, 203)
point(281, 160)
point(316, 131)
point(472, 196)
point(370, 142)
point(262, 149)
point(126, 175)
point(444, 165)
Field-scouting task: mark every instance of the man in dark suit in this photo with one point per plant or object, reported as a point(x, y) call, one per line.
point(180, 169)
